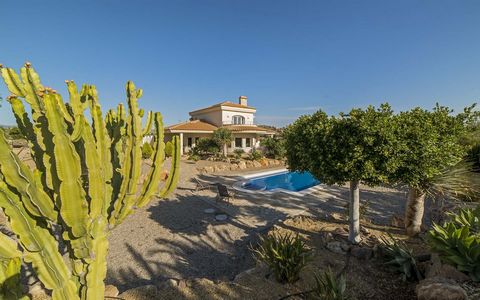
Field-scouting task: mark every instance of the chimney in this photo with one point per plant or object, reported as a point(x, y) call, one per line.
point(242, 100)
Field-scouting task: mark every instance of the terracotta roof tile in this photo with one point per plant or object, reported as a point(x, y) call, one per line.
point(237, 128)
point(225, 103)
point(193, 125)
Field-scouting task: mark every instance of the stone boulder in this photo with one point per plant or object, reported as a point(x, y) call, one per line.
point(145, 292)
point(438, 269)
point(111, 291)
point(362, 253)
point(437, 288)
point(337, 247)
point(242, 165)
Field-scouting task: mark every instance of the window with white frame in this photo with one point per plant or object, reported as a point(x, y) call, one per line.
point(238, 120)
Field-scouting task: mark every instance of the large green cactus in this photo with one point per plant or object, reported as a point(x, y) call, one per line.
point(86, 180)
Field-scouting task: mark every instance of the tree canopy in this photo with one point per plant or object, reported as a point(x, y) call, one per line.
point(337, 149)
point(428, 143)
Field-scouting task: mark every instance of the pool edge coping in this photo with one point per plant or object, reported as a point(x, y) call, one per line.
point(243, 178)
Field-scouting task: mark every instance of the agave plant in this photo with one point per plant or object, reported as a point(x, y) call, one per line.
point(458, 241)
point(86, 181)
point(328, 287)
point(285, 255)
point(400, 258)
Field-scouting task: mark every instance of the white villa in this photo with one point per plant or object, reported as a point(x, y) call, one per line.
point(239, 118)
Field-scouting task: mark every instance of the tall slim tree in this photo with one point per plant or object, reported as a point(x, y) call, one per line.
point(353, 148)
point(223, 136)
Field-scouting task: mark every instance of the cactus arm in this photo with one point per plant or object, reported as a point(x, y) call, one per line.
point(14, 85)
point(174, 174)
point(93, 166)
point(10, 263)
point(33, 89)
point(151, 183)
point(17, 174)
point(102, 142)
point(148, 125)
point(133, 158)
point(39, 246)
point(63, 109)
point(96, 271)
point(69, 190)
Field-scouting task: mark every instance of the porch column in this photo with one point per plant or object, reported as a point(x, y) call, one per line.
point(233, 143)
point(181, 143)
point(254, 142)
point(244, 143)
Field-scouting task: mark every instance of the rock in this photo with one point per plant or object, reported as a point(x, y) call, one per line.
point(38, 293)
point(242, 165)
point(111, 291)
point(345, 246)
point(19, 143)
point(256, 164)
point(182, 283)
point(437, 288)
point(169, 283)
point(437, 269)
point(364, 230)
point(362, 253)
point(145, 292)
point(326, 237)
point(336, 217)
point(397, 221)
point(341, 231)
point(233, 167)
point(264, 162)
point(249, 164)
point(336, 247)
point(208, 170)
point(221, 217)
point(209, 210)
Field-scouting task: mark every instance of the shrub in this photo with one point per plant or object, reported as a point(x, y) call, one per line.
point(15, 134)
point(206, 146)
point(168, 149)
point(273, 147)
point(238, 153)
point(147, 151)
point(328, 287)
point(400, 258)
point(223, 136)
point(285, 255)
point(255, 155)
point(458, 241)
point(194, 157)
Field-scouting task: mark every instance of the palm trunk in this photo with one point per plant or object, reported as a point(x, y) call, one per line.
point(354, 213)
point(414, 211)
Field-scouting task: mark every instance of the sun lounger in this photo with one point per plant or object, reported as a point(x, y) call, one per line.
point(200, 185)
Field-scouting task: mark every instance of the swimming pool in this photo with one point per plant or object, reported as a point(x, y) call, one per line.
point(284, 180)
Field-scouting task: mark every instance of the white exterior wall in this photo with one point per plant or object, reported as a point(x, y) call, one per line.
point(254, 142)
point(213, 117)
point(227, 117)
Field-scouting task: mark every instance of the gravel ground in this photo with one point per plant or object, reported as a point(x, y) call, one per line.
point(175, 238)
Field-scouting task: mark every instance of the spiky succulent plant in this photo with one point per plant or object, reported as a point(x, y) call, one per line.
point(85, 182)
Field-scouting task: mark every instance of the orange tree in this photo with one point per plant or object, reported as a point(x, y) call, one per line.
point(430, 153)
point(356, 148)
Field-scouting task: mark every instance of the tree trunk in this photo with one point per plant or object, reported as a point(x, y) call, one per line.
point(354, 213)
point(225, 149)
point(414, 211)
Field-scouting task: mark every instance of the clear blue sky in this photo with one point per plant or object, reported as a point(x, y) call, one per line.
point(288, 57)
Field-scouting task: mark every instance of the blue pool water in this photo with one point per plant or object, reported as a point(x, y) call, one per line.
point(292, 181)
